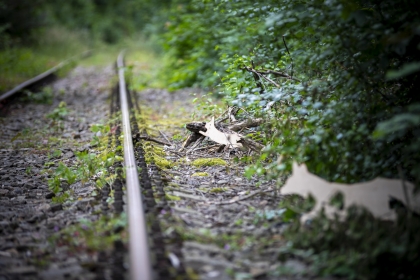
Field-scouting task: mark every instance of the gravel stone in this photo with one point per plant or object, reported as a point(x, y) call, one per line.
point(56, 207)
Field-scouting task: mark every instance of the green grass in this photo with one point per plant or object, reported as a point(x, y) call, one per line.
point(18, 64)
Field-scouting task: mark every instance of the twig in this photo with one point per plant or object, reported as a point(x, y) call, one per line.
point(208, 147)
point(198, 142)
point(175, 152)
point(271, 81)
point(243, 198)
point(266, 72)
point(257, 78)
point(287, 49)
point(221, 116)
point(277, 73)
point(164, 136)
point(148, 138)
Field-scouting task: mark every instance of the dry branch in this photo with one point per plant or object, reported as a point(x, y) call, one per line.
point(200, 127)
point(137, 137)
point(261, 73)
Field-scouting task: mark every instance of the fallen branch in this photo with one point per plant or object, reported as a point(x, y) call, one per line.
point(196, 127)
point(251, 144)
point(208, 147)
point(164, 136)
point(137, 137)
point(199, 140)
point(228, 132)
point(191, 139)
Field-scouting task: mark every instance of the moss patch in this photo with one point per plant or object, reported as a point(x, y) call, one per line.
point(200, 174)
point(162, 162)
point(156, 155)
point(208, 162)
point(172, 197)
point(217, 190)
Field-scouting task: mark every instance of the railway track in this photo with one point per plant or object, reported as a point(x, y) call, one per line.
point(132, 193)
point(140, 264)
point(146, 221)
point(145, 194)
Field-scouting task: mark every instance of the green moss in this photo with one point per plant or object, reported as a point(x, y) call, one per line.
point(172, 197)
point(158, 151)
point(200, 174)
point(217, 190)
point(208, 162)
point(162, 162)
point(156, 155)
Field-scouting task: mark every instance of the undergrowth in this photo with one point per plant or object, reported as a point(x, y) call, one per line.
point(98, 235)
point(88, 167)
point(360, 247)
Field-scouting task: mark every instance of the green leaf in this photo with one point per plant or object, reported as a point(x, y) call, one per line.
point(406, 69)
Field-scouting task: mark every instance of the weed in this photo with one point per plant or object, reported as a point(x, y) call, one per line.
point(59, 113)
point(177, 137)
point(93, 235)
point(56, 154)
point(61, 173)
point(28, 171)
point(99, 130)
point(65, 196)
point(43, 97)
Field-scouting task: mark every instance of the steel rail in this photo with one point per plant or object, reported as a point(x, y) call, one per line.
point(140, 265)
point(41, 76)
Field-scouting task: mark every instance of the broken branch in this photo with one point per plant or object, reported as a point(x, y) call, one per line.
point(137, 137)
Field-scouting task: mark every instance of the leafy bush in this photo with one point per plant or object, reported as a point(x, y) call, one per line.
point(338, 83)
point(361, 247)
point(325, 75)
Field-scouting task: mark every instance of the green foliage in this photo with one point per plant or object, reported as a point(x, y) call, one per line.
point(94, 235)
point(61, 173)
point(91, 167)
point(59, 112)
point(355, 65)
point(43, 97)
point(207, 106)
point(18, 20)
point(361, 247)
point(337, 82)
